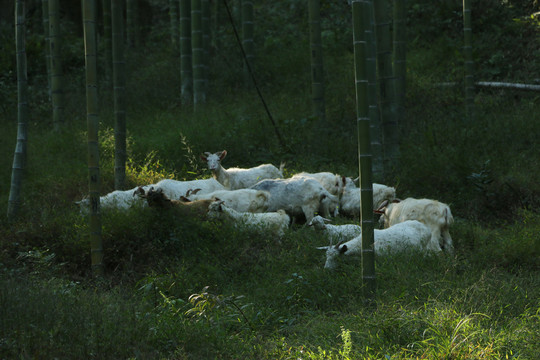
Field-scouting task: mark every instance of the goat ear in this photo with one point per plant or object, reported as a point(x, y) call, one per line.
point(184, 199)
point(222, 154)
point(203, 157)
point(139, 191)
point(343, 249)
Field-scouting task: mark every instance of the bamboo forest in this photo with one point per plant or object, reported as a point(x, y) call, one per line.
point(256, 179)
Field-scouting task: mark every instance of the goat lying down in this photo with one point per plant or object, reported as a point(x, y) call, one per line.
point(274, 222)
point(434, 214)
point(409, 234)
point(335, 232)
point(118, 199)
point(242, 200)
point(239, 178)
point(174, 189)
point(301, 196)
point(156, 198)
point(349, 204)
point(334, 183)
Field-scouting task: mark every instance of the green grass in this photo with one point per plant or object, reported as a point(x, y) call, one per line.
point(179, 288)
point(258, 299)
point(202, 290)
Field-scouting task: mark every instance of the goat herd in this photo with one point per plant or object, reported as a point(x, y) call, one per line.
point(262, 199)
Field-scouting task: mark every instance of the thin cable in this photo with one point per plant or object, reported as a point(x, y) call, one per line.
point(253, 76)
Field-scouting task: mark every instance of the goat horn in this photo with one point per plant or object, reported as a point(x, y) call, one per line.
point(380, 210)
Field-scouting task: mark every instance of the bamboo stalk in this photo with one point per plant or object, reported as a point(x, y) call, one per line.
point(469, 64)
point(119, 81)
point(504, 85)
point(206, 39)
point(364, 149)
point(186, 69)
point(132, 35)
point(496, 85)
point(173, 15)
point(107, 38)
point(237, 10)
point(317, 71)
point(19, 156)
point(45, 17)
point(197, 49)
point(215, 26)
point(385, 76)
point(57, 77)
point(374, 113)
point(400, 54)
point(92, 117)
point(247, 38)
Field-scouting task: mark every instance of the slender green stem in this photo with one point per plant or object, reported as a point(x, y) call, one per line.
point(92, 117)
point(364, 146)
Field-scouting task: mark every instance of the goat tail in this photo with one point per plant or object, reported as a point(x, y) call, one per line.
point(448, 218)
point(282, 167)
point(260, 203)
point(263, 195)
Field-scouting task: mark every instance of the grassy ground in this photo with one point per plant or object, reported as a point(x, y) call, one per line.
point(177, 288)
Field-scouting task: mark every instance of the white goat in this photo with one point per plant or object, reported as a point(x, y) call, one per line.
point(336, 232)
point(300, 196)
point(332, 182)
point(275, 222)
point(350, 200)
point(434, 214)
point(238, 178)
point(118, 199)
point(242, 200)
point(409, 234)
point(174, 189)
